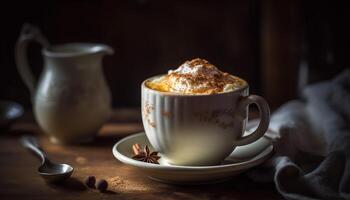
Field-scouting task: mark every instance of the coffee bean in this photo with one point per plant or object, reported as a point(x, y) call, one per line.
point(90, 181)
point(102, 185)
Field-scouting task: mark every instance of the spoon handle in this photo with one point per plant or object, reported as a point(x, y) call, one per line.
point(31, 144)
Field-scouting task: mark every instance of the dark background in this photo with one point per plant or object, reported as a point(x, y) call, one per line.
point(264, 42)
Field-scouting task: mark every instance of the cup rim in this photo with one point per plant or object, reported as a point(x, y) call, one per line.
point(144, 87)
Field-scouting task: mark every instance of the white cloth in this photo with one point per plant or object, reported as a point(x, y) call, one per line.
point(312, 143)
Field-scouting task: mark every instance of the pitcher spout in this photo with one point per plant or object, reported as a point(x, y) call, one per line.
point(103, 49)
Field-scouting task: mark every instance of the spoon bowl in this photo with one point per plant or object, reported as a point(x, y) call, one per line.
point(55, 172)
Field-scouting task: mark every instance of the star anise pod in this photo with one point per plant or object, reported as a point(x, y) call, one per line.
point(145, 155)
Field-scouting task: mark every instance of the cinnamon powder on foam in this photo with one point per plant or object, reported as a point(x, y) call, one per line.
point(197, 76)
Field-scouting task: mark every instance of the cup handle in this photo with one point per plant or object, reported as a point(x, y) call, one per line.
point(264, 113)
point(28, 33)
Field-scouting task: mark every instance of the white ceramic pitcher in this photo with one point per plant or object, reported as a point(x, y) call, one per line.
point(71, 100)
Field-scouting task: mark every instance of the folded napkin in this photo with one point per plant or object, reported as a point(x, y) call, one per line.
point(312, 143)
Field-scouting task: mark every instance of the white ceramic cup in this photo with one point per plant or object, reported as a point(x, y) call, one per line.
point(199, 129)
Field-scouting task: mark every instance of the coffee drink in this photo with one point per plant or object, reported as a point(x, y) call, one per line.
point(196, 115)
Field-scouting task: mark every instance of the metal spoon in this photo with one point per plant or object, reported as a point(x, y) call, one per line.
point(50, 171)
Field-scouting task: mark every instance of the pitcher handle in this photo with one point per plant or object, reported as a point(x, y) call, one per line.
point(28, 33)
point(264, 113)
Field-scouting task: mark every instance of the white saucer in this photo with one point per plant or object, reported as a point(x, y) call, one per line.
point(241, 159)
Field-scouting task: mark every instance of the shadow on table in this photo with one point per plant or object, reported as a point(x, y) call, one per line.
point(106, 140)
point(72, 184)
point(238, 185)
point(22, 129)
point(108, 137)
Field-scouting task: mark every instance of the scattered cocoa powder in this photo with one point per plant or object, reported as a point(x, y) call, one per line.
point(118, 184)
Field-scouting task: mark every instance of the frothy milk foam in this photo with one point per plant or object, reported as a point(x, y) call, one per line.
point(196, 77)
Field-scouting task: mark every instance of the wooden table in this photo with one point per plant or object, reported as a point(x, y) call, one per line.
point(18, 178)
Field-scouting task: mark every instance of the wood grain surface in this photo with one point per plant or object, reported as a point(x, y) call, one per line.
point(18, 178)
